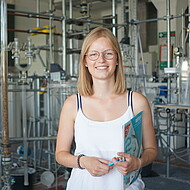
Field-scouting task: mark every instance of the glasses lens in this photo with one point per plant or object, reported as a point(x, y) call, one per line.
point(93, 55)
point(109, 54)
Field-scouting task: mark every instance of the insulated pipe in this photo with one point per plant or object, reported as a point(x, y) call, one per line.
point(4, 63)
point(64, 66)
point(6, 156)
point(114, 15)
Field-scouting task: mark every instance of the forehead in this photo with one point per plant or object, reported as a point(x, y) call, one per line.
point(100, 44)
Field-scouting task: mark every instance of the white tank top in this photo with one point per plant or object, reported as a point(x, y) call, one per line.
point(104, 140)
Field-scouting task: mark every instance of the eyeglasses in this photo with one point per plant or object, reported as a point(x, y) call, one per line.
point(107, 54)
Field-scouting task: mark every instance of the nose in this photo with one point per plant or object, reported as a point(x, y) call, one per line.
point(101, 57)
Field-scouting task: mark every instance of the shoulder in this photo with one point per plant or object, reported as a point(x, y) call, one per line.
point(139, 97)
point(70, 105)
point(140, 102)
point(71, 100)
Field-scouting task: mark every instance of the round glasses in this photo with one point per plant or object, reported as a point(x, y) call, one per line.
point(107, 54)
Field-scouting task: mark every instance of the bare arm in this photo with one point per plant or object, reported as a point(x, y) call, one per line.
point(66, 133)
point(132, 163)
point(148, 135)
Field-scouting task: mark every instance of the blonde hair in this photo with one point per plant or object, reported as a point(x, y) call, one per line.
point(85, 83)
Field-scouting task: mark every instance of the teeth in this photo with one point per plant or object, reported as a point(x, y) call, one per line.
point(101, 67)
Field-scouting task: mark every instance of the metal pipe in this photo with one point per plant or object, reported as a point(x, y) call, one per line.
point(51, 44)
point(180, 135)
point(6, 155)
point(16, 53)
point(38, 108)
point(182, 29)
point(114, 16)
point(169, 88)
point(64, 66)
point(143, 63)
point(55, 18)
point(60, 18)
point(31, 31)
point(40, 57)
point(38, 11)
point(36, 124)
point(168, 25)
point(38, 138)
point(189, 28)
point(48, 125)
point(24, 128)
point(71, 69)
point(123, 17)
point(134, 40)
point(188, 80)
point(29, 55)
point(1, 172)
point(35, 15)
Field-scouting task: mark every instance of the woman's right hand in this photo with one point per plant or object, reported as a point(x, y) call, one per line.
point(95, 166)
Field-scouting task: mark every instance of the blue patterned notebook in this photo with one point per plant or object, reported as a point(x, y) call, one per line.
point(132, 132)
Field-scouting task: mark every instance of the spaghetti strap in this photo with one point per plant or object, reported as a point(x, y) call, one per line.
point(79, 101)
point(130, 99)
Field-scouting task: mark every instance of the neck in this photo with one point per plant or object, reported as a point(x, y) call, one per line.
point(103, 89)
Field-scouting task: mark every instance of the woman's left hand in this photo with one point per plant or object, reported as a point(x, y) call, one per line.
point(130, 164)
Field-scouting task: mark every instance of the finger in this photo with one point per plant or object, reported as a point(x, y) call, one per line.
point(103, 167)
point(122, 170)
point(115, 159)
point(123, 154)
point(106, 162)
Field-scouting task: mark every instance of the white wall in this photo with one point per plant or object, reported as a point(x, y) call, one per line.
point(27, 23)
point(176, 7)
point(97, 10)
point(180, 9)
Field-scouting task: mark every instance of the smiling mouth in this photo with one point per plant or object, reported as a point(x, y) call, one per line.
point(102, 67)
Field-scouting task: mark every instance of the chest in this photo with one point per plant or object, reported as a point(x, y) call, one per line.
point(104, 110)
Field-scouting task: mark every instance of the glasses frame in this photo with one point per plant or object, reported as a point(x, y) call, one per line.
point(103, 53)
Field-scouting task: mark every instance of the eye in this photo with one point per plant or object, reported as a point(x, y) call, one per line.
point(109, 53)
point(93, 54)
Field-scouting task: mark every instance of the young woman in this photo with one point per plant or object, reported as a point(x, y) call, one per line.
point(94, 118)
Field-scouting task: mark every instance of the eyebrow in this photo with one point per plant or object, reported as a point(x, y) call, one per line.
point(101, 51)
